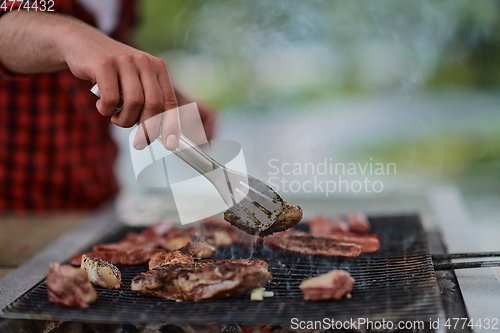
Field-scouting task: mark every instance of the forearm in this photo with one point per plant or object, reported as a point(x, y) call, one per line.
point(30, 42)
point(34, 42)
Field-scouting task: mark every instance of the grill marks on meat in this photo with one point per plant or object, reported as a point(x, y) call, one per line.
point(304, 243)
point(69, 286)
point(206, 279)
point(333, 285)
point(120, 258)
point(102, 273)
point(289, 217)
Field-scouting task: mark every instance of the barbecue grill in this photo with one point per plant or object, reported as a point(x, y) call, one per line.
point(397, 283)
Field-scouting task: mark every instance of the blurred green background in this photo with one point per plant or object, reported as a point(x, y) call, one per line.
point(276, 57)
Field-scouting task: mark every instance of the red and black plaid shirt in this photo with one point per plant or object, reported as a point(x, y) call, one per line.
point(56, 151)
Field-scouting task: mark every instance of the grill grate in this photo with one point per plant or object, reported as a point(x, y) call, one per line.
point(396, 283)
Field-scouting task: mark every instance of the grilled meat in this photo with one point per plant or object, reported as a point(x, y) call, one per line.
point(176, 243)
point(333, 285)
point(176, 238)
point(185, 255)
point(320, 225)
point(304, 243)
point(358, 222)
point(131, 241)
point(69, 286)
point(102, 273)
point(199, 250)
point(119, 258)
point(217, 238)
point(369, 243)
point(161, 259)
point(217, 232)
point(289, 217)
point(206, 279)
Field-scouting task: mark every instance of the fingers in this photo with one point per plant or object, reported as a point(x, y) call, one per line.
point(171, 126)
point(109, 92)
point(132, 95)
point(147, 97)
point(151, 115)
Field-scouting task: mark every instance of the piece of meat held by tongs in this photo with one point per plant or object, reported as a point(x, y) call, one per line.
point(254, 207)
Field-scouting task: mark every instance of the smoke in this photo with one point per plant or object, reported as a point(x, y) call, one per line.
point(286, 49)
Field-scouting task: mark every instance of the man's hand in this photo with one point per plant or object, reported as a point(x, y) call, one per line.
point(33, 42)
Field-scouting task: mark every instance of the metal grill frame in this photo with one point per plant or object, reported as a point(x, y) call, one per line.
point(396, 283)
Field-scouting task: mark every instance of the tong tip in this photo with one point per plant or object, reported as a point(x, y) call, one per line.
point(289, 217)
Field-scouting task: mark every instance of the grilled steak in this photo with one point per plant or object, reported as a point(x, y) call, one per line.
point(119, 257)
point(358, 222)
point(102, 273)
point(161, 259)
point(332, 285)
point(206, 279)
point(289, 217)
point(69, 286)
point(304, 243)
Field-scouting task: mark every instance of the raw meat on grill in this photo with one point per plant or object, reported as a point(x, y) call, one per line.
point(304, 243)
point(358, 222)
point(206, 279)
point(69, 286)
point(102, 273)
point(333, 285)
point(320, 225)
point(120, 258)
point(289, 217)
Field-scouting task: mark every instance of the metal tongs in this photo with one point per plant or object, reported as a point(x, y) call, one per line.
point(255, 203)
